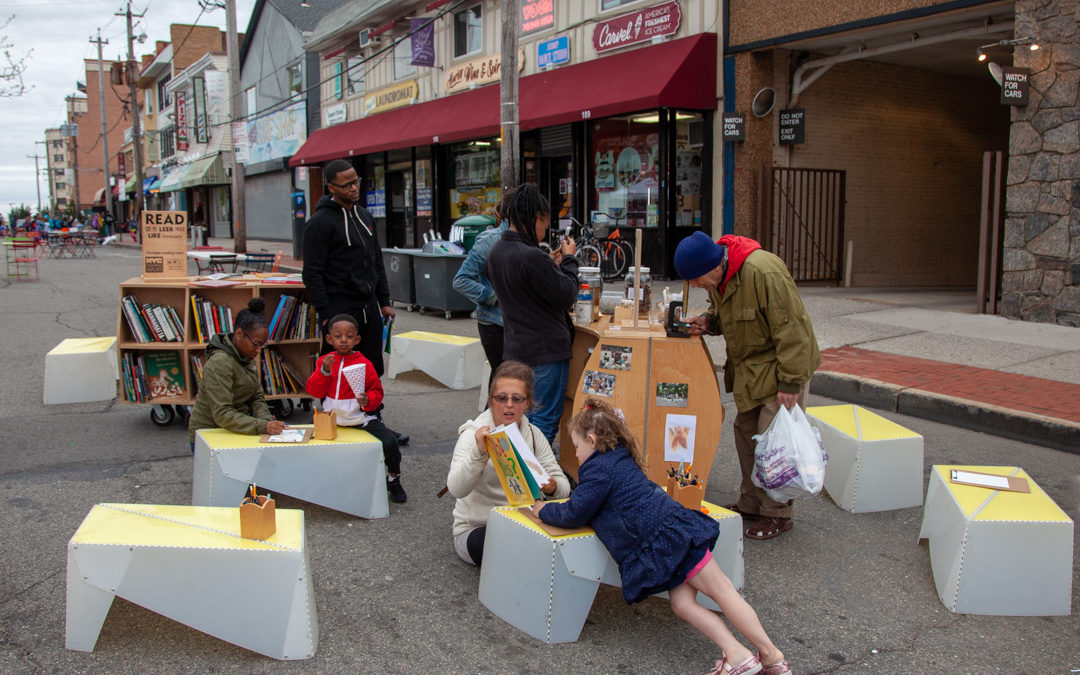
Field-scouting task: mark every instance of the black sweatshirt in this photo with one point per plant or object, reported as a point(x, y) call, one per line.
point(343, 265)
point(536, 298)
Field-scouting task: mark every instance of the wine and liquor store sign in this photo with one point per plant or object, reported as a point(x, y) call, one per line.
point(634, 27)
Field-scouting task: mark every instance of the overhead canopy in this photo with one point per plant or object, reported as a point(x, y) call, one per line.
point(148, 184)
point(676, 74)
point(204, 171)
point(129, 186)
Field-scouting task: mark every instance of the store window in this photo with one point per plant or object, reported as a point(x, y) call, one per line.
point(374, 186)
point(355, 74)
point(295, 75)
point(250, 101)
point(58, 158)
point(689, 168)
point(626, 170)
point(167, 142)
point(612, 4)
point(425, 189)
point(475, 178)
point(468, 31)
point(403, 66)
point(149, 96)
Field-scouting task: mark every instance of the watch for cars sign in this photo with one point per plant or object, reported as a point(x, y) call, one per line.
point(634, 27)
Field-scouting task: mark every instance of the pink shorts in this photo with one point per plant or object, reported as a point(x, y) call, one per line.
point(698, 567)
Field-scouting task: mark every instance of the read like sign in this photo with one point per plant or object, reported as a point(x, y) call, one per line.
point(164, 244)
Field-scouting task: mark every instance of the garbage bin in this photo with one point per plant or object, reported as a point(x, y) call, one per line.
point(399, 275)
point(471, 226)
point(434, 279)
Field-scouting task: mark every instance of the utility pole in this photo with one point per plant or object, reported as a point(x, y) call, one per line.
point(37, 178)
point(49, 175)
point(508, 96)
point(104, 124)
point(74, 154)
point(130, 71)
point(239, 201)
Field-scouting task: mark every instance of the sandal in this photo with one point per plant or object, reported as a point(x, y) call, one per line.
point(767, 527)
point(779, 668)
point(751, 666)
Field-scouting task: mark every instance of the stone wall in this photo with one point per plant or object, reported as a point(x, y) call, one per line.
point(1041, 267)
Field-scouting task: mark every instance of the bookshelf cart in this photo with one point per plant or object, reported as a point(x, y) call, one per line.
point(297, 354)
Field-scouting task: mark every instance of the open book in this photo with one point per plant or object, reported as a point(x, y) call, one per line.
point(520, 473)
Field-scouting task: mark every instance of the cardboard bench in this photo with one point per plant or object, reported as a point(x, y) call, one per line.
point(455, 361)
point(81, 370)
point(544, 585)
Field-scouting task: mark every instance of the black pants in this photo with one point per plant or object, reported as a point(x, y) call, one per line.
point(491, 339)
point(370, 334)
point(391, 452)
point(475, 544)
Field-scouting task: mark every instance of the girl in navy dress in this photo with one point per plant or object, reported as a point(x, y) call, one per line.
point(658, 544)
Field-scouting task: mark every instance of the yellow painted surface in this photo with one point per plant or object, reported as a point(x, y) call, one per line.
point(184, 527)
point(715, 512)
point(221, 439)
point(84, 345)
point(437, 337)
point(860, 423)
point(1003, 505)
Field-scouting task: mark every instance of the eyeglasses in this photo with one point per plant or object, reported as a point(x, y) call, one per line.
point(517, 399)
point(258, 345)
point(346, 186)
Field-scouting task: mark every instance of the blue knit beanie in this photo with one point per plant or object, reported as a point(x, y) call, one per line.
point(697, 255)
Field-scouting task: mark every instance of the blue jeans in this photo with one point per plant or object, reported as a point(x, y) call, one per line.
point(549, 396)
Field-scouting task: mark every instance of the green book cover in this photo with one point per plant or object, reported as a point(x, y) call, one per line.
point(165, 374)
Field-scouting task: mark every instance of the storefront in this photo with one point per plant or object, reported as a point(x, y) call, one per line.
point(620, 141)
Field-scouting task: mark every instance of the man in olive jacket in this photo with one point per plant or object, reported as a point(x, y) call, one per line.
point(771, 350)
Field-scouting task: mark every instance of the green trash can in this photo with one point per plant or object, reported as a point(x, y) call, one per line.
point(473, 226)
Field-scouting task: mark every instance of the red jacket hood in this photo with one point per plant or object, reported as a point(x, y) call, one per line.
point(738, 248)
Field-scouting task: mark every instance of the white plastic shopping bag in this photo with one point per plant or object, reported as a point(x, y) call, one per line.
point(789, 460)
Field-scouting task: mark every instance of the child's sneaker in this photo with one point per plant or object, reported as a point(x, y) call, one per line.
point(397, 493)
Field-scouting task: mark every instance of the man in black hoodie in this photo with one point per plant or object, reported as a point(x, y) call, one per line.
point(343, 265)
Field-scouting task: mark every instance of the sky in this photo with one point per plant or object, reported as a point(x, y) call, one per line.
point(59, 32)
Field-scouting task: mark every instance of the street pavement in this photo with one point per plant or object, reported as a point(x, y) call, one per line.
point(841, 592)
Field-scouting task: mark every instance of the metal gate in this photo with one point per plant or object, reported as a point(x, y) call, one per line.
point(801, 219)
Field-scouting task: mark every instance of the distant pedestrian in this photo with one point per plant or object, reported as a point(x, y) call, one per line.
point(771, 350)
point(658, 544)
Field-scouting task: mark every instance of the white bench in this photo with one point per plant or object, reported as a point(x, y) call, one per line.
point(190, 564)
point(998, 552)
point(874, 463)
point(81, 370)
point(544, 585)
point(346, 474)
point(455, 361)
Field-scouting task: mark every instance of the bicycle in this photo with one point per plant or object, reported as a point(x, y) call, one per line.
point(612, 254)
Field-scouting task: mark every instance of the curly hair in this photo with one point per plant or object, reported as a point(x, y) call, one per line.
point(601, 420)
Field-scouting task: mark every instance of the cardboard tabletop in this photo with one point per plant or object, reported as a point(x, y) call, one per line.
point(715, 512)
point(168, 526)
point(859, 423)
point(83, 345)
point(437, 337)
point(222, 439)
point(985, 504)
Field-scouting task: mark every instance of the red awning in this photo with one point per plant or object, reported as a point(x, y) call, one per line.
point(676, 74)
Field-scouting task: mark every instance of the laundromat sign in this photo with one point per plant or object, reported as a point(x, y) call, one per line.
point(391, 97)
point(634, 27)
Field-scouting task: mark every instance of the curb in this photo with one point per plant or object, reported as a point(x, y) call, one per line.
point(1005, 422)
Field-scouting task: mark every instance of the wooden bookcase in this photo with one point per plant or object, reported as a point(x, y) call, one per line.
point(177, 294)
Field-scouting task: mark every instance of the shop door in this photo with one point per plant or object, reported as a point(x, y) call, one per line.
point(557, 175)
point(400, 223)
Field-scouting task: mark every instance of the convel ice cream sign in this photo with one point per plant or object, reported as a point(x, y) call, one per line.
point(639, 26)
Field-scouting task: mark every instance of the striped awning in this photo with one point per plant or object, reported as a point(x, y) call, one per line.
point(205, 171)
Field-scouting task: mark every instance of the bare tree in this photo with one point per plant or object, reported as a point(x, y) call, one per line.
point(12, 66)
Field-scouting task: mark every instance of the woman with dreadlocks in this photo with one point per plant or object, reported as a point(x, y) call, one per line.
point(536, 292)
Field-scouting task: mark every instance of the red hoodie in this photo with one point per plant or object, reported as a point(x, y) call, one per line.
point(738, 248)
point(321, 386)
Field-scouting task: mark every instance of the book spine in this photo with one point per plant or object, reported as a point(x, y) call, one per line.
point(147, 315)
point(195, 318)
point(277, 315)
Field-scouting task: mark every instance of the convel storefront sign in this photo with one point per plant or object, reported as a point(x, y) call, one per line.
point(634, 27)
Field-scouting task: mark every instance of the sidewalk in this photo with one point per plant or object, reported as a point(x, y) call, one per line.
point(920, 352)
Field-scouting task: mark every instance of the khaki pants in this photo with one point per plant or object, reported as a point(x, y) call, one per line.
point(753, 499)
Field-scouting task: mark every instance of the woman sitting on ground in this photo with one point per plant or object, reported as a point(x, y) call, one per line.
point(472, 478)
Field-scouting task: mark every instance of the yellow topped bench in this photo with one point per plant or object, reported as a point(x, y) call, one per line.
point(455, 361)
point(81, 370)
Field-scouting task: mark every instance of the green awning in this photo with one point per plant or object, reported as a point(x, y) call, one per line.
point(205, 171)
point(171, 182)
point(129, 187)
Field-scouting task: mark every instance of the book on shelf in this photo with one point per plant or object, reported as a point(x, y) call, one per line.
point(278, 376)
point(209, 318)
point(164, 374)
point(293, 319)
point(151, 322)
point(197, 362)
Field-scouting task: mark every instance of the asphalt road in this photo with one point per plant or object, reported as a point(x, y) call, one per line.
point(839, 593)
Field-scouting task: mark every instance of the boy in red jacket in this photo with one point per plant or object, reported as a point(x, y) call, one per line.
point(355, 410)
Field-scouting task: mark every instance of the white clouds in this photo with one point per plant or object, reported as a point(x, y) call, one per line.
point(59, 34)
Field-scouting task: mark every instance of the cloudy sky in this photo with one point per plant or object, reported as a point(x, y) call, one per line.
point(59, 32)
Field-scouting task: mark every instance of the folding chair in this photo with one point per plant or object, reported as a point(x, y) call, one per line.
point(22, 257)
point(217, 262)
point(258, 262)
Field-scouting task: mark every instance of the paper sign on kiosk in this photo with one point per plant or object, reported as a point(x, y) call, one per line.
point(679, 438)
point(989, 481)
